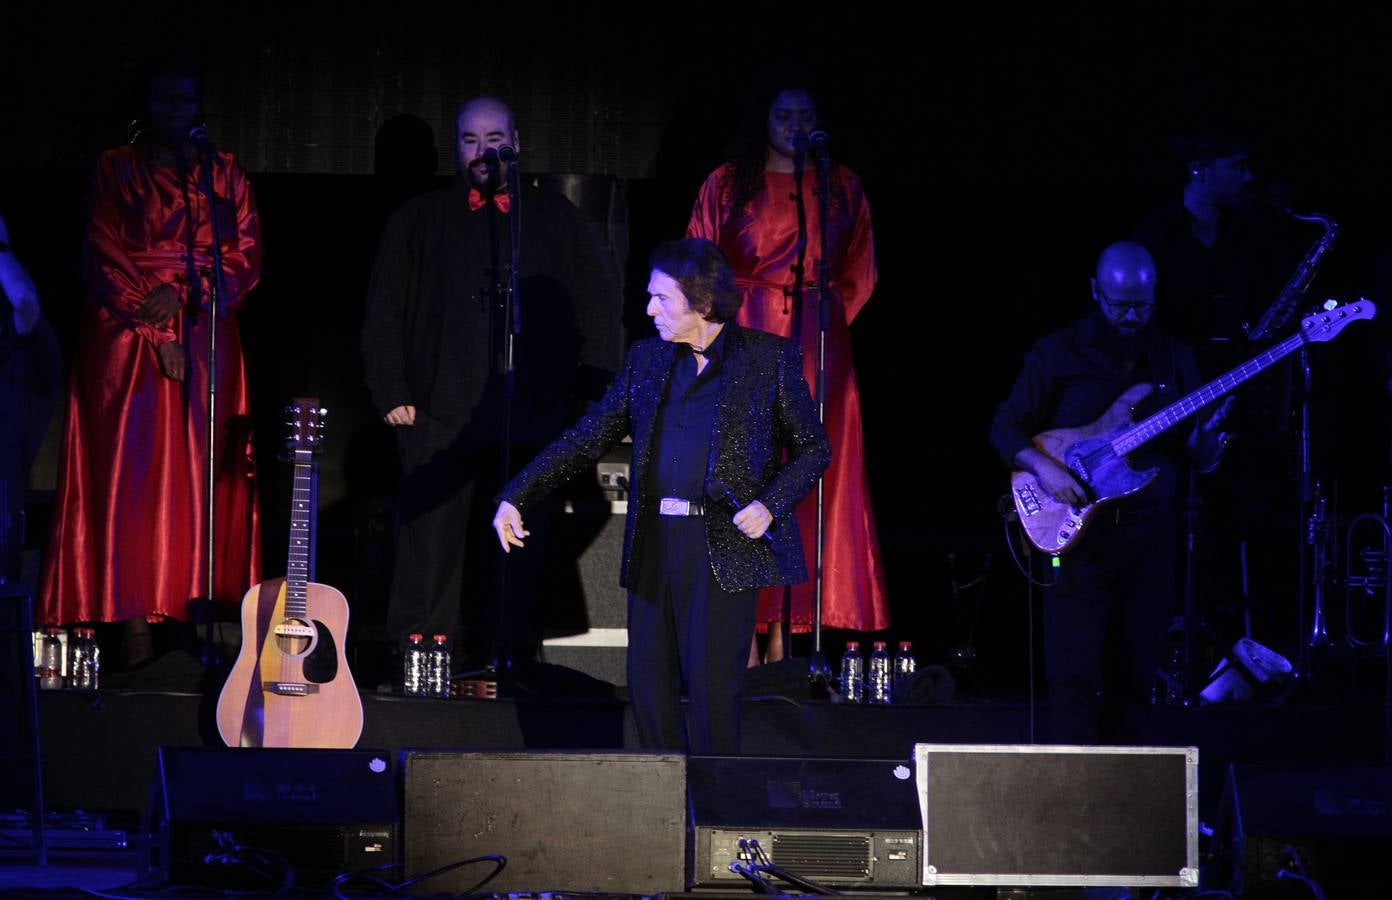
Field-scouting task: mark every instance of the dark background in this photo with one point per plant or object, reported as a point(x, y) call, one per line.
point(1001, 149)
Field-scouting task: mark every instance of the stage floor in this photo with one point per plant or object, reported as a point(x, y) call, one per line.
point(99, 750)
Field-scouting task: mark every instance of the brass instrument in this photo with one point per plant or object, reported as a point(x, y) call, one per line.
point(1367, 544)
point(1279, 313)
point(1319, 535)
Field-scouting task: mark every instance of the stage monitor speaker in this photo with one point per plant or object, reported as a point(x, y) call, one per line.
point(1280, 825)
point(605, 822)
point(1036, 814)
point(839, 822)
point(324, 811)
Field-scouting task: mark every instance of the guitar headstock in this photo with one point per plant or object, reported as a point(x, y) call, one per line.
point(304, 425)
point(1324, 324)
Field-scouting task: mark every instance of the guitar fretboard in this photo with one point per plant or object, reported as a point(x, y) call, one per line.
point(1320, 327)
point(297, 560)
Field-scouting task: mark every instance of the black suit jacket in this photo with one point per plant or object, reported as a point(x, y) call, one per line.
point(764, 408)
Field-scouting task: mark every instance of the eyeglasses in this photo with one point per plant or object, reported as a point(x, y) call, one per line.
point(1120, 308)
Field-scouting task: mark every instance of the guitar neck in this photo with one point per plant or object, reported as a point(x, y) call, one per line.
point(1153, 426)
point(297, 559)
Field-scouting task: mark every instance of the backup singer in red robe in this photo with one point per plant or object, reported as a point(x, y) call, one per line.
point(129, 532)
point(745, 207)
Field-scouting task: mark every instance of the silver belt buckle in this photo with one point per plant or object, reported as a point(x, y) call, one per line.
point(668, 506)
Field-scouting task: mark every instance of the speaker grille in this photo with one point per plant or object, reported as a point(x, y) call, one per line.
point(823, 855)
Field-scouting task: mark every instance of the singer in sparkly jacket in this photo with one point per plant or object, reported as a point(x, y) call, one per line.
point(712, 408)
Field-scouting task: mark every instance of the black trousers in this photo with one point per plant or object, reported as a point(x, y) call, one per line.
point(683, 629)
point(448, 562)
point(1105, 622)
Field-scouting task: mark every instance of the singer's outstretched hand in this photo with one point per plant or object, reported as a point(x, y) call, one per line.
point(508, 523)
point(753, 520)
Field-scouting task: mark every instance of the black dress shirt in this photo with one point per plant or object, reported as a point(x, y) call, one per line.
point(682, 437)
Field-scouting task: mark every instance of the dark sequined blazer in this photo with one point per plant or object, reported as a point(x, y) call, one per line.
point(764, 408)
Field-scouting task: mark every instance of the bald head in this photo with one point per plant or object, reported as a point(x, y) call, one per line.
point(1125, 285)
point(1125, 271)
point(485, 105)
point(483, 123)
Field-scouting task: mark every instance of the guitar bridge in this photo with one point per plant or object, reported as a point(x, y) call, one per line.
point(291, 689)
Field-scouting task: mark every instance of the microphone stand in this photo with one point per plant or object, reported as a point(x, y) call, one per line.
point(818, 670)
point(217, 309)
point(818, 673)
point(512, 317)
point(1271, 321)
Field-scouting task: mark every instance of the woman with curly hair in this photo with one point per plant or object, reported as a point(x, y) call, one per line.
point(747, 206)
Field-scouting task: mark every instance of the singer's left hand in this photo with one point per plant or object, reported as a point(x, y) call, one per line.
point(753, 520)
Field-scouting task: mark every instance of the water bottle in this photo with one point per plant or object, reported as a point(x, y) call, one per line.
point(881, 675)
point(82, 649)
point(93, 661)
point(415, 680)
point(904, 663)
point(77, 658)
point(440, 667)
point(51, 660)
point(852, 674)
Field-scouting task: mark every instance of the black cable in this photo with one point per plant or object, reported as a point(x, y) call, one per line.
point(796, 880)
point(1021, 565)
point(1296, 872)
point(761, 884)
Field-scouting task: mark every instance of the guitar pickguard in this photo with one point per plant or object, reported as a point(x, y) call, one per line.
point(1102, 473)
point(321, 665)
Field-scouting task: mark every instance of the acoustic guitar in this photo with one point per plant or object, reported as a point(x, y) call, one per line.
point(291, 686)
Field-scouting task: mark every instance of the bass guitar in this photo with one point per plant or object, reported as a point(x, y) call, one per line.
point(1096, 454)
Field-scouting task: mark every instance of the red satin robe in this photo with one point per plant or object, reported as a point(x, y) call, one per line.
point(129, 533)
point(760, 243)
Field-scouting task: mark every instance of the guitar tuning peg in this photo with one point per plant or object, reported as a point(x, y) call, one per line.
point(323, 412)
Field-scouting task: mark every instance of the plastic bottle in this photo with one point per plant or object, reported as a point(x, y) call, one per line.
point(852, 674)
point(77, 659)
point(51, 660)
point(904, 663)
point(91, 674)
point(80, 649)
point(440, 667)
point(879, 681)
point(416, 674)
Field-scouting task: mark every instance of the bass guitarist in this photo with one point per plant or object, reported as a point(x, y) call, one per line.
point(1113, 597)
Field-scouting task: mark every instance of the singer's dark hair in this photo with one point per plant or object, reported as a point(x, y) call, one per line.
point(700, 270)
point(748, 152)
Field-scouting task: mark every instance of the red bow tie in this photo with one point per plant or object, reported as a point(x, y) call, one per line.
point(477, 201)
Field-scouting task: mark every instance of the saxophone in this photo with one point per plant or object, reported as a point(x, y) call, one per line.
point(1279, 313)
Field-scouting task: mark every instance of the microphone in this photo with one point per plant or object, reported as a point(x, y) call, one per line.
point(731, 499)
point(800, 142)
point(504, 153)
point(818, 140)
point(198, 136)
